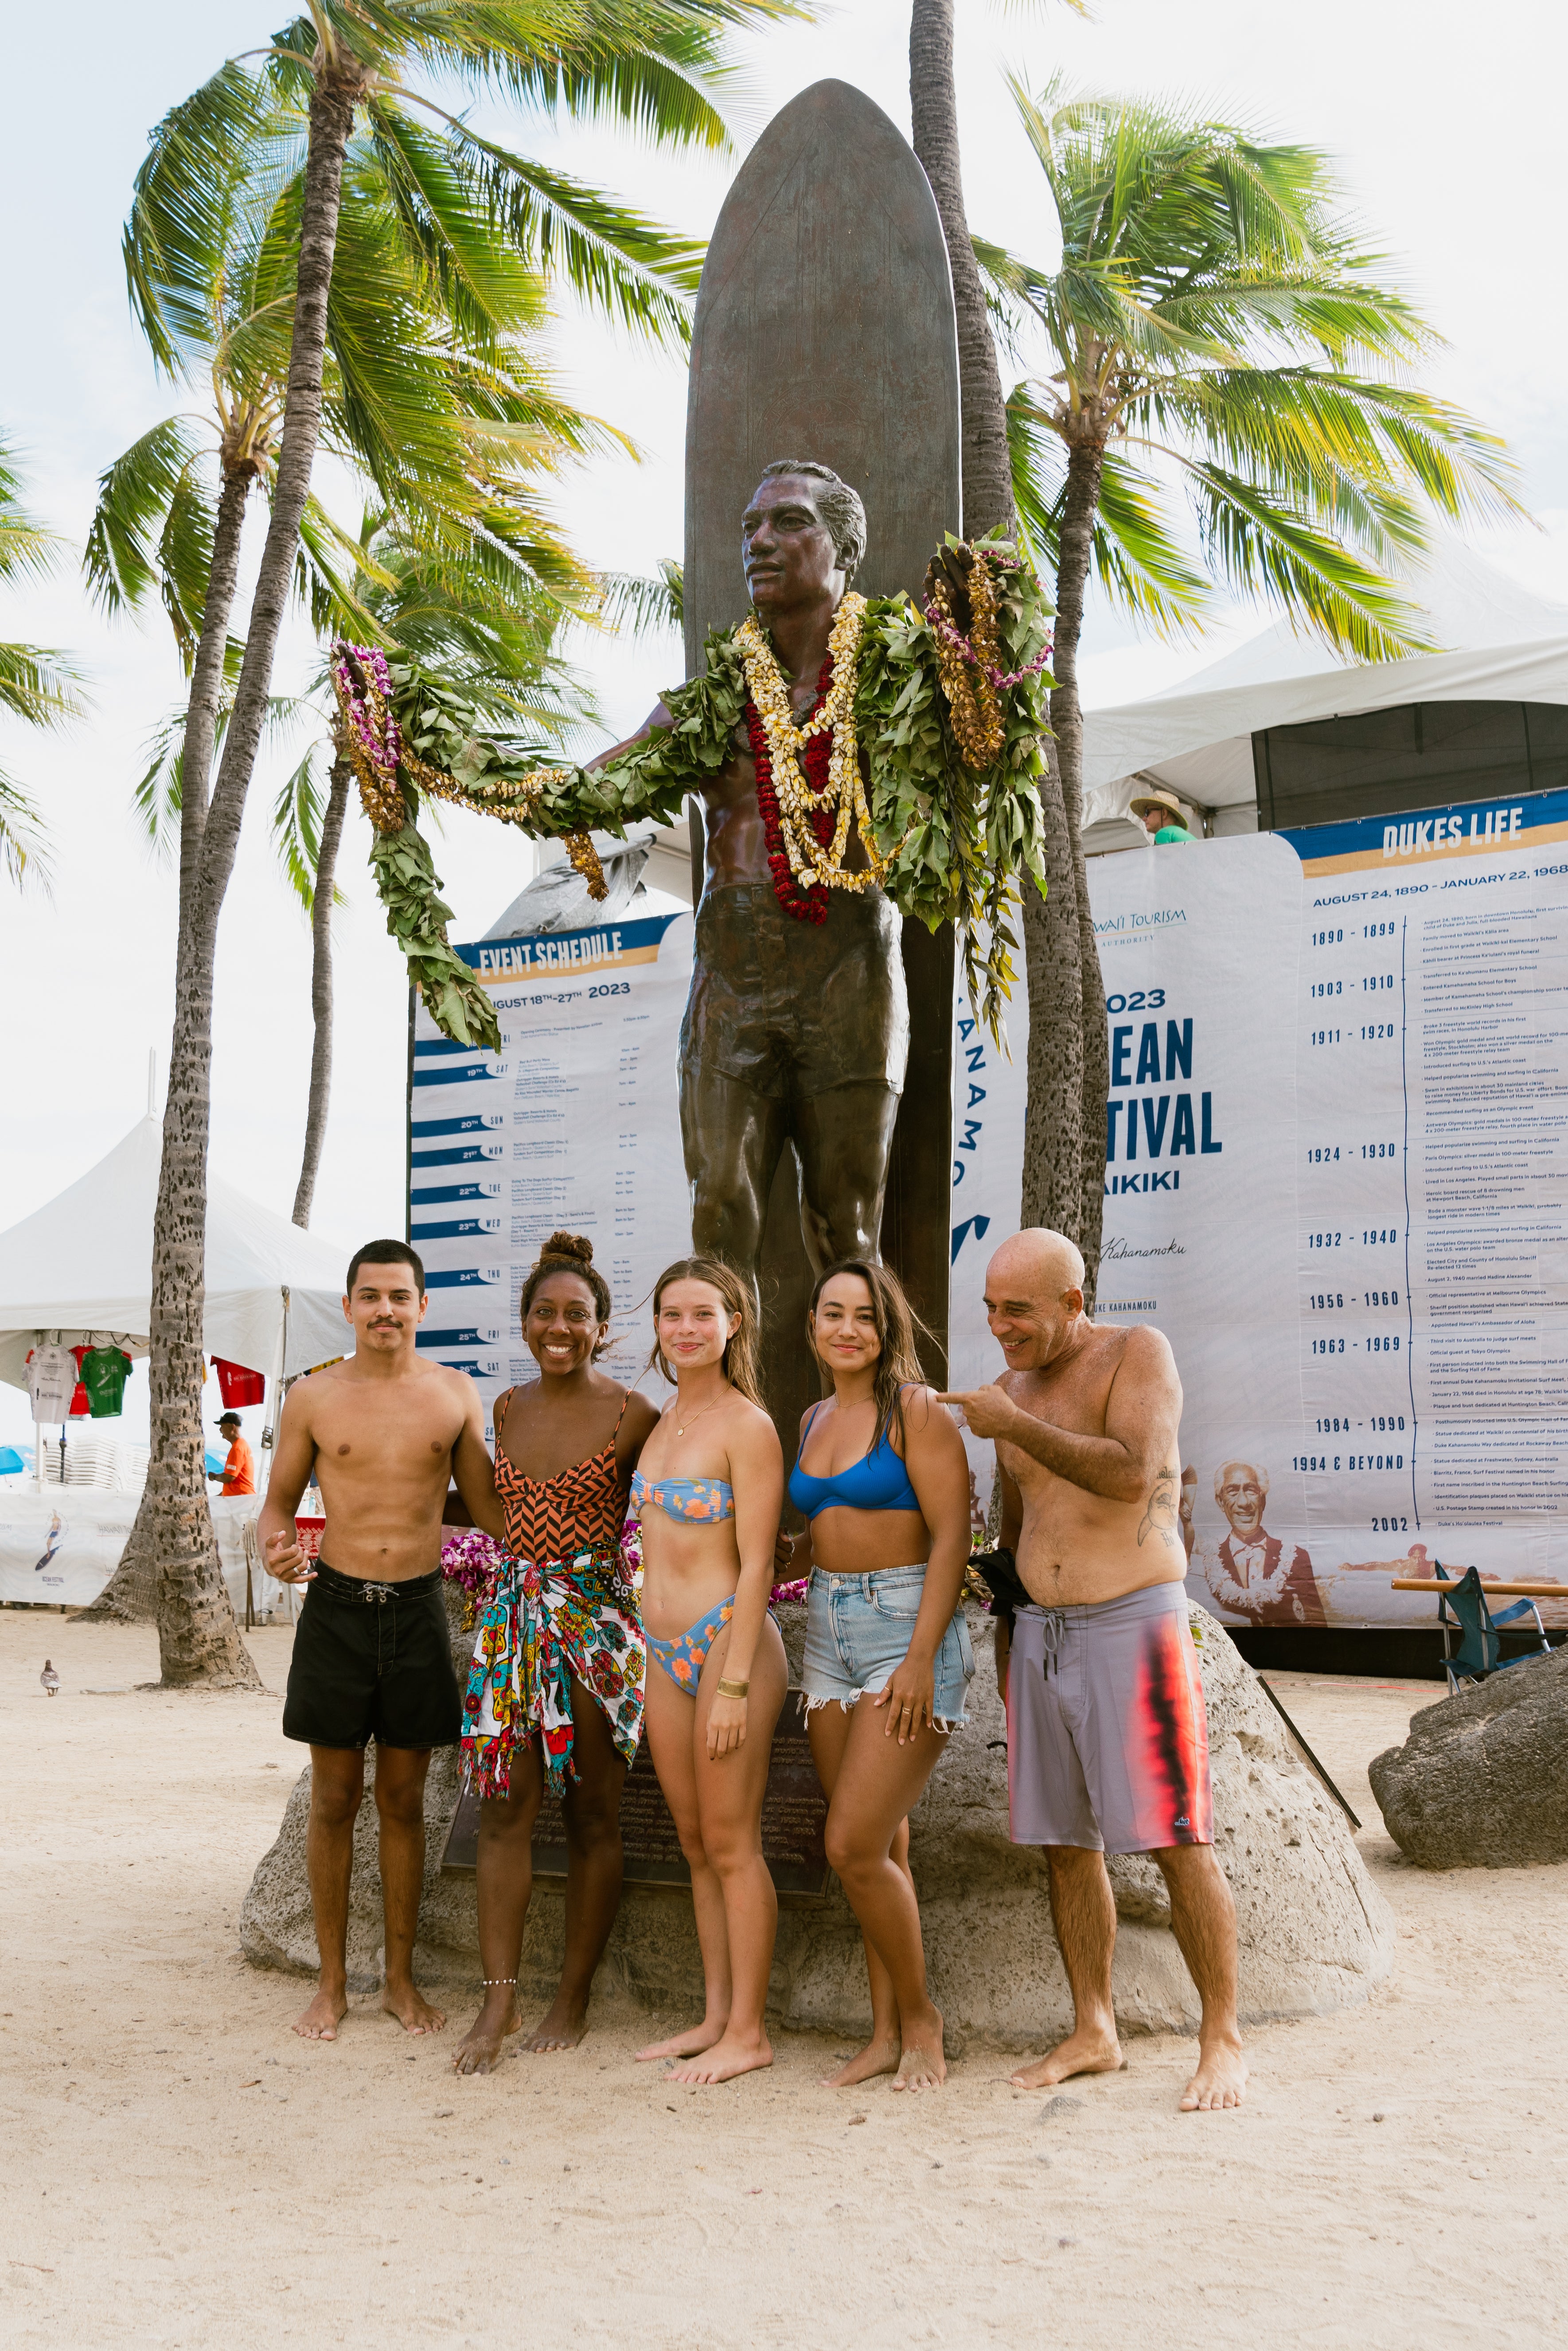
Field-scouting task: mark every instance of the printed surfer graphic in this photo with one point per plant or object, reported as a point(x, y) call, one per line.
point(56, 1536)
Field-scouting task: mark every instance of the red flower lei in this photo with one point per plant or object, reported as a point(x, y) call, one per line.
point(806, 905)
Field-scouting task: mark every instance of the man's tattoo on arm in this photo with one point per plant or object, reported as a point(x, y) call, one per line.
point(1160, 1515)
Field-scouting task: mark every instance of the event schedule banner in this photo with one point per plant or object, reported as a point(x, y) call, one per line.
point(575, 1123)
point(1335, 1178)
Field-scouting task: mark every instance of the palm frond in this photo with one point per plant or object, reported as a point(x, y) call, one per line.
point(22, 854)
point(476, 278)
point(661, 69)
point(1270, 551)
point(648, 607)
point(1213, 308)
point(617, 261)
point(296, 816)
point(39, 686)
point(28, 549)
point(122, 558)
point(204, 165)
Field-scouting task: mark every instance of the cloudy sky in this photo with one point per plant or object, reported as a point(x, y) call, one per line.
point(1444, 125)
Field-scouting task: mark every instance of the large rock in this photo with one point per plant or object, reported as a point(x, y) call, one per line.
point(1481, 1781)
point(1315, 1934)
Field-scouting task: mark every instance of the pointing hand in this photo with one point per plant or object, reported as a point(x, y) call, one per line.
point(987, 1412)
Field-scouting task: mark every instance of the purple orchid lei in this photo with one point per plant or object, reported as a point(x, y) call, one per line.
point(1001, 679)
point(383, 748)
point(472, 1559)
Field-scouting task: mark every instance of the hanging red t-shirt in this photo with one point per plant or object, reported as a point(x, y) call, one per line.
point(237, 1385)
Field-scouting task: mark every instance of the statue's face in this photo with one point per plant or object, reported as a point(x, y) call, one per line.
point(1241, 1499)
point(787, 549)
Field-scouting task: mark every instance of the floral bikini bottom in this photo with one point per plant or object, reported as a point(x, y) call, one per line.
point(684, 1657)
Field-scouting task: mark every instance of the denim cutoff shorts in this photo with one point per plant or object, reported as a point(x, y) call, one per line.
point(858, 1631)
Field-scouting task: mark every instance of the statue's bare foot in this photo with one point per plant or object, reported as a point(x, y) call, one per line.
point(1220, 2079)
point(412, 2009)
point(322, 2018)
point(923, 2065)
point(689, 2043)
point(479, 2052)
point(725, 2060)
point(1087, 2051)
point(562, 2026)
point(880, 2056)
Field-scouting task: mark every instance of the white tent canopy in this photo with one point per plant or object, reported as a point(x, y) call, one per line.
point(83, 1263)
point(1508, 645)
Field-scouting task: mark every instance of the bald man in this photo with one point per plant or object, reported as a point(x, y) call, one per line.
point(1108, 1742)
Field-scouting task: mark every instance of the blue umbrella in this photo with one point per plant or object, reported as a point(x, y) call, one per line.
point(215, 1462)
point(11, 1461)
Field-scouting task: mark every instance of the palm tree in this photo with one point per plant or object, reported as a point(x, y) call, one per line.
point(466, 215)
point(1215, 321)
point(1069, 1070)
point(35, 685)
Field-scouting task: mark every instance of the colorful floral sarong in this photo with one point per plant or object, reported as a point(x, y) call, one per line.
point(545, 1623)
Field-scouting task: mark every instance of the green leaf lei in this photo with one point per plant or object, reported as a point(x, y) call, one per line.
point(961, 842)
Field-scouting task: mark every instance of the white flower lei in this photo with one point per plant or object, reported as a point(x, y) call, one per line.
point(844, 792)
point(1268, 1588)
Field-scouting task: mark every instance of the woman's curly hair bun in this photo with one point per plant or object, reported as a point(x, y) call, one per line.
point(573, 1246)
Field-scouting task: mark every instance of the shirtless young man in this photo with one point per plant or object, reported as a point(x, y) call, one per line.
point(1107, 1741)
point(372, 1655)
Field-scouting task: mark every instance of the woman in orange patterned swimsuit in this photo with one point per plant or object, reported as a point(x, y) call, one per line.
point(555, 1692)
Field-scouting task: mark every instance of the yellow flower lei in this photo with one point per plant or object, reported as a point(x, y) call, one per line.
point(845, 793)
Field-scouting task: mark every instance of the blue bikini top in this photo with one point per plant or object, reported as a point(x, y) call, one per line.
point(877, 1481)
point(702, 1501)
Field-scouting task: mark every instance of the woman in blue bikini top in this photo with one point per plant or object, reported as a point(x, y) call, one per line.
point(883, 1485)
point(708, 1489)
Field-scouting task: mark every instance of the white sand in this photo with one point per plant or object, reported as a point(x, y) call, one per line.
point(154, 2094)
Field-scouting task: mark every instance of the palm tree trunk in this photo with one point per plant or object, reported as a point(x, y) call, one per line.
point(1084, 463)
point(172, 1518)
point(321, 989)
point(934, 119)
point(1053, 1115)
point(206, 684)
point(1067, 1022)
point(198, 1639)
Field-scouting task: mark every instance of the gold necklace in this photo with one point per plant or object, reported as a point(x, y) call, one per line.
point(699, 1416)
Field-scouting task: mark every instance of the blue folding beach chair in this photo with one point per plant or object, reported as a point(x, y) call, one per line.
point(1479, 1652)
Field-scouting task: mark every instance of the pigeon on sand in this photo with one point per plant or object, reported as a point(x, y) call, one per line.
point(49, 1678)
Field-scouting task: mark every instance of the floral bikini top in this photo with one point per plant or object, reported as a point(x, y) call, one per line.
point(702, 1502)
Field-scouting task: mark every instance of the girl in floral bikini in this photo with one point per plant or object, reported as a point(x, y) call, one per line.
point(555, 1691)
point(708, 1492)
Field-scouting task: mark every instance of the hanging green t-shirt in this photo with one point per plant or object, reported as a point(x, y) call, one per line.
point(104, 1372)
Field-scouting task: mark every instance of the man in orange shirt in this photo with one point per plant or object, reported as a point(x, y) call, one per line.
point(238, 1473)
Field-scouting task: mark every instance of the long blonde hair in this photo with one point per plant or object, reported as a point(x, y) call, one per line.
point(897, 1324)
point(740, 1350)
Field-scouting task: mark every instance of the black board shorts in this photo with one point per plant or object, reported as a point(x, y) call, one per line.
point(372, 1661)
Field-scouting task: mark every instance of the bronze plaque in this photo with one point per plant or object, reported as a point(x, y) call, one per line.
point(794, 1819)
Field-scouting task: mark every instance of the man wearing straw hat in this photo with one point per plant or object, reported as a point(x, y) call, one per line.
point(1163, 816)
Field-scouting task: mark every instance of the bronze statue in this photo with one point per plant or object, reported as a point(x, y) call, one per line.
point(795, 1032)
